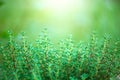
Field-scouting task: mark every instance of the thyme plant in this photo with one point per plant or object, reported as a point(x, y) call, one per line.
point(42, 60)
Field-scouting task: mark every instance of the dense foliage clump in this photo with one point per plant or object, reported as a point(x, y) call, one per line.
point(24, 60)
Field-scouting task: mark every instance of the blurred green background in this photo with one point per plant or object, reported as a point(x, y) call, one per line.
point(61, 17)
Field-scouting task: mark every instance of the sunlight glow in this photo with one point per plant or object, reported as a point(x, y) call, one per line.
point(59, 6)
point(62, 16)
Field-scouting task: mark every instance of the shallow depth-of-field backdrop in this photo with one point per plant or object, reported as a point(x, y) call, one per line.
point(59, 39)
point(77, 17)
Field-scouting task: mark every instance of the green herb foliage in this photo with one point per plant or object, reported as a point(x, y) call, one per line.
point(41, 60)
